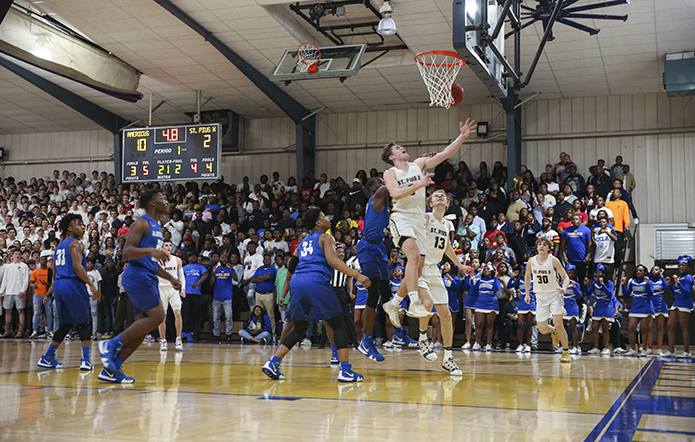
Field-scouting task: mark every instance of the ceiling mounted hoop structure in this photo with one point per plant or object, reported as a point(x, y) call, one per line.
point(439, 70)
point(309, 55)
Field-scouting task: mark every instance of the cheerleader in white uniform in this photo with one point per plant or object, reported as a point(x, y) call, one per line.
point(641, 289)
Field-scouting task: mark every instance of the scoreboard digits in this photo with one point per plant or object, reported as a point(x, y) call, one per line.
point(171, 153)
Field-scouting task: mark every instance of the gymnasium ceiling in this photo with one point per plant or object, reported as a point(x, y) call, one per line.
point(175, 61)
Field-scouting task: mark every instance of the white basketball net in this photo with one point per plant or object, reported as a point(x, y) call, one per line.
point(439, 70)
point(308, 54)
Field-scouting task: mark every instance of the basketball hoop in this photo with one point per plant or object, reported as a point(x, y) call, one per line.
point(309, 55)
point(439, 70)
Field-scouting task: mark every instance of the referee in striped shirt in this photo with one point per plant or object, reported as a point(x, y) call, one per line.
point(339, 283)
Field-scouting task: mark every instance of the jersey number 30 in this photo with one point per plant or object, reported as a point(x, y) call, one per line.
point(542, 279)
point(60, 257)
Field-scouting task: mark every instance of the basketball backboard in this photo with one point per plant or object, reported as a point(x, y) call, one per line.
point(336, 62)
point(471, 18)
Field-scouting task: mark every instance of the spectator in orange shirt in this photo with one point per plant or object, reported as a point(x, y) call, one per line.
point(621, 219)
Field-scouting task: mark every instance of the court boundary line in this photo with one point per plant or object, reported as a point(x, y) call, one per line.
point(261, 396)
point(598, 432)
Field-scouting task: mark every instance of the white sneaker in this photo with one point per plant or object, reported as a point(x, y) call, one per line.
point(527, 348)
point(450, 365)
point(574, 351)
point(162, 345)
point(418, 310)
point(388, 344)
point(558, 349)
point(520, 348)
point(594, 351)
point(605, 351)
point(426, 350)
point(650, 351)
point(305, 343)
point(632, 352)
point(488, 347)
point(619, 351)
point(658, 352)
point(179, 344)
point(667, 354)
point(438, 345)
point(643, 353)
point(476, 347)
point(392, 311)
point(466, 346)
point(33, 334)
point(685, 355)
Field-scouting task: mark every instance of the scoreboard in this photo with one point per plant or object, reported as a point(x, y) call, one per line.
point(187, 152)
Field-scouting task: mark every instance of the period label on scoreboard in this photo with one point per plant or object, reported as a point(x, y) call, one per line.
point(189, 152)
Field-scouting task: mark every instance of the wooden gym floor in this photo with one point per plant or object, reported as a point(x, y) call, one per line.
point(218, 392)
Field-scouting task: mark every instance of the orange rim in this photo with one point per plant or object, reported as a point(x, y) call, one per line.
point(302, 60)
point(446, 53)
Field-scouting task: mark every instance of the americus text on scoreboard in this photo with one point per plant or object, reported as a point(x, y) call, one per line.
point(186, 152)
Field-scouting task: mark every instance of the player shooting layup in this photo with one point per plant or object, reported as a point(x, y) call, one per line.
point(406, 182)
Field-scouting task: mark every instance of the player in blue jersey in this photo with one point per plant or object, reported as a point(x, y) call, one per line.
point(682, 306)
point(641, 289)
point(371, 253)
point(572, 296)
point(143, 251)
point(70, 293)
point(526, 311)
point(660, 306)
point(313, 296)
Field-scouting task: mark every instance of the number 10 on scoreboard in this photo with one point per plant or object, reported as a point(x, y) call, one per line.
point(194, 167)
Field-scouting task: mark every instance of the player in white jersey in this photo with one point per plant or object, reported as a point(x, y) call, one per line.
point(431, 285)
point(544, 268)
point(171, 297)
point(406, 182)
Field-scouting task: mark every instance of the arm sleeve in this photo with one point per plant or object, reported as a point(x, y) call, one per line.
point(182, 277)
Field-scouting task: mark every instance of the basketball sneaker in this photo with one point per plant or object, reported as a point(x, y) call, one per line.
point(565, 357)
point(410, 342)
point(477, 347)
point(272, 369)
point(334, 357)
point(466, 346)
point(108, 350)
point(575, 350)
point(527, 348)
point(392, 311)
point(427, 350)
point(556, 339)
point(658, 352)
point(605, 351)
point(685, 355)
point(86, 365)
point(178, 345)
point(347, 375)
point(488, 347)
point(632, 352)
point(667, 354)
point(162, 345)
point(619, 351)
point(450, 365)
point(49, 362)
point(367, 349)
point(520, 348)
point(115, 377)
point(594, 351)
point(418, 310)
point(643, 353)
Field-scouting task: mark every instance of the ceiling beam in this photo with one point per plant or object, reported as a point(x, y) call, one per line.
point(282, 99)
point(4, 7)
point(104, 118)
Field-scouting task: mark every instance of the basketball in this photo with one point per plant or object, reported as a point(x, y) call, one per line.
point(456, 93)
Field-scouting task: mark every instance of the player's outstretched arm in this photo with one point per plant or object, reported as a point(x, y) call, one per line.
point(397, 192)
point(327, 243)
point(465, 129)
point(131, 249)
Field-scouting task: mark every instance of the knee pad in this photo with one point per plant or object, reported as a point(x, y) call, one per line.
point(296, 334)
point(340, 339)
point(84, 331)
point(62, 331)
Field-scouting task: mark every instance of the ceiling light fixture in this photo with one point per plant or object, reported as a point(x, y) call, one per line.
point(386, 26)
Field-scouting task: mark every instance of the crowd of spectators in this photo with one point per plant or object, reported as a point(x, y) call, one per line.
point(251, 228)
